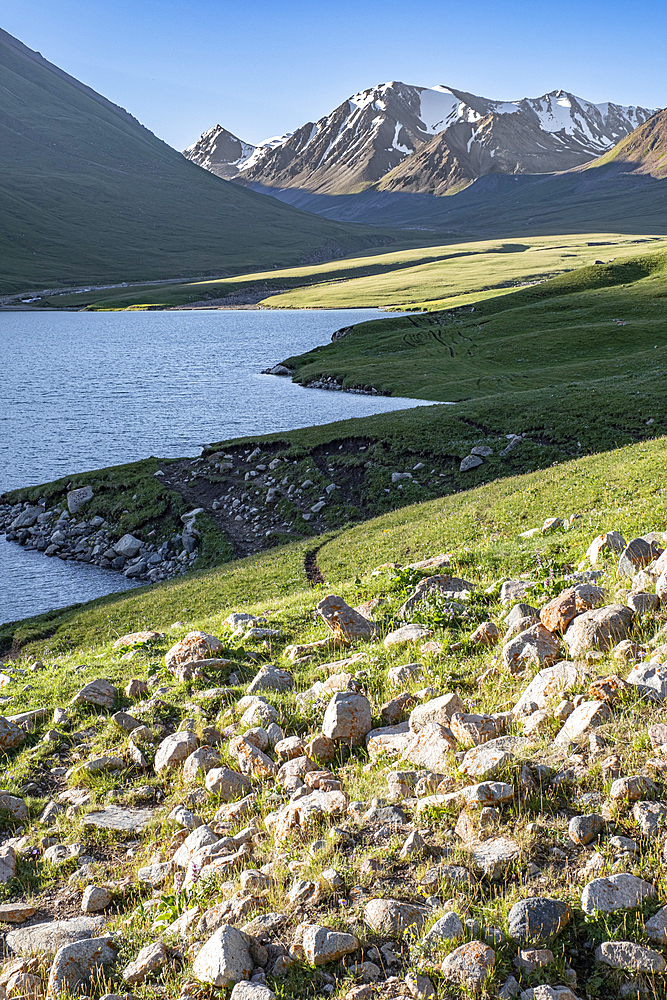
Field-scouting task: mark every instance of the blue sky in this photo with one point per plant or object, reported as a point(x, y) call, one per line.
point(262, 68)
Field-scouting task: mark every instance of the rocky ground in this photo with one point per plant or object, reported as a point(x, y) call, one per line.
point(455, 788)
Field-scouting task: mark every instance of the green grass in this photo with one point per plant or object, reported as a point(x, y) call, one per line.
point(425, 277)
point(621, 489)
point(90, 196)
point(535, 341)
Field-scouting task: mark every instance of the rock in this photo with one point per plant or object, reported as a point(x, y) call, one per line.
point(559, 612)
point(584, 829)
point(531, 959)
point(200, 837)
point(199, 763)
point(75, 964)
point(437, 710)
point(494, 856)
point(343, 621)
point(405, 634)
point(322, 945)
point(156, 874)
point(393, 711)
point(27, 518)
point(514, 590)
point(390, 740)
point(271, 678)
point(95, 897)
point(16, 913)
point(487, 793)
point(321, 748)
point(447, 928)
point(391, 918)
point(184, 818)
point(548, 684)
point(137, 639)
point(616, 892)
point(250, 759)
point(658, 734)
point(98, 692)
point(7, 863)
point(125, 722)
point(538, 919)
point(120, 818)
point(637, 554)
point(650, 817)
point(347, 718)
point(420, 987)
point(76, 499)
point(15, 806)
point(448, 588)
point(628, 955)
point(245, 990)
point(588, 715)
point(194, 646)
point(128, 546)
point(642, 604)
point(430, 748)
point(609, 541)
point(226, 783)
point(151, 958)
point(631, 789)
point(301, 814)
point(486, 634)
point(224, 958)
point(486, 760)
point(469, 965)
point(598, 630)
point(46, 938)
point(609, 688)
point(404, 673)
point(656, 927)
point(136, 688)
point(470, 462)
point(536, 645)
point(414, 844)
point(472, 730)
point(651, 679)
point(174, 749)
point(11, 736)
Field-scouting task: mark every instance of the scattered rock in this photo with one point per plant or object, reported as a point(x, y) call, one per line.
point(150, 959)
point(391, 918)
point(95, 898)
point(586, 716)
point(598, 630)
point(224, 958)
point(535, 646)
point(407, 633)
point(322, 945)
point(75, 964)
point(584, 829)
point(46, 938)
point(538, 919)
point(470, 965)
point(98, 692)
point(343, 621)
point(616, 892)
point(347, 718)
point(628, 955)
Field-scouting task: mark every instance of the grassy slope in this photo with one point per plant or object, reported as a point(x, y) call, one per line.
point(428, 277)
point(620, 489)
point(89, 195)
point(565, 331)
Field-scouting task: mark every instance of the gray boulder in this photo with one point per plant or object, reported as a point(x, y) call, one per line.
point(637, 554)
point(599, 629)
point(347, 718)
point(538, 919)
point(46, 938)
point(128, 546)
point(224, 958)
point(75, 964)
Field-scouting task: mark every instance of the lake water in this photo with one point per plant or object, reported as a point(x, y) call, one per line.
point(82, 391)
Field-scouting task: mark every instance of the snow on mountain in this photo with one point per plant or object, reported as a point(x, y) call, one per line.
point(225, 155)
point(377, 130)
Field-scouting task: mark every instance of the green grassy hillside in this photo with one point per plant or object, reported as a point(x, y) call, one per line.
point(84, 757)
point(89, 195)
point(601, 324)
point(426, 277)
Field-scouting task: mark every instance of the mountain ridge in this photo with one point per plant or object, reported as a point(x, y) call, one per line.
point(386, 129)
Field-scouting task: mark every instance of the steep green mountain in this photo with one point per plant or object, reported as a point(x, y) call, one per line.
point(90, 195)
point(644, 151)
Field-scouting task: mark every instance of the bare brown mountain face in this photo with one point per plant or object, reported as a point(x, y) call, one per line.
point(496, 144)
point(421, 139)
